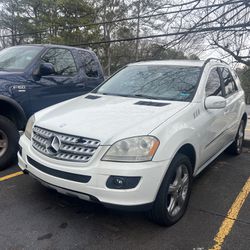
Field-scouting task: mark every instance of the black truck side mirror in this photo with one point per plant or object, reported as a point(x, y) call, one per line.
point(46, 69)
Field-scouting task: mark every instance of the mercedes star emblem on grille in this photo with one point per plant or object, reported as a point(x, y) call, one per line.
point(53, 144)
point(63, 146)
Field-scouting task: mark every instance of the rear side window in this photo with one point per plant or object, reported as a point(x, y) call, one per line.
point(89, 63)
point(213, 87)
point(229, 83)
point(62, 61)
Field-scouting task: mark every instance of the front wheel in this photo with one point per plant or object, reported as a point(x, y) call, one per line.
point(173, 196)
point(236, 147)
point(8, 142)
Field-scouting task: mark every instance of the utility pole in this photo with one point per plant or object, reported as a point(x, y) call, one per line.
point(137, 30)
point(13, 26)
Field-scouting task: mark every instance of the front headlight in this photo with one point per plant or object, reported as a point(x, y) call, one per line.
point(134, 149)
point(29, 126)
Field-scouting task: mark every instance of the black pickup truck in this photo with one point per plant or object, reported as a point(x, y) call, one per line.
point(33, 77)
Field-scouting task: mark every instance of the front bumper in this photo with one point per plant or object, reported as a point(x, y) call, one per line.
point(95, 188)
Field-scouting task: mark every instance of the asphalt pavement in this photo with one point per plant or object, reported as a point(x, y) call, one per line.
point(34, 217)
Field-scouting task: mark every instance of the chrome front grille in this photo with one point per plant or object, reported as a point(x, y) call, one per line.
point(63, 147)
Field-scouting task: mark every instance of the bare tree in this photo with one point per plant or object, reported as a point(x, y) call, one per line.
point(108, 11)
point(219, 14)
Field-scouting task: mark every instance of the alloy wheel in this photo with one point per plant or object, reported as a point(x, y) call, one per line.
point(3, 143)
point(178, 190)
point(240, 137)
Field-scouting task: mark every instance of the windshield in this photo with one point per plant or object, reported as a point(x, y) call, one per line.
point(18, 58)
point(163, 82)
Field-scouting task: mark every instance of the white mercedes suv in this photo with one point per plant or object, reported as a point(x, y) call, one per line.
point(138, 140)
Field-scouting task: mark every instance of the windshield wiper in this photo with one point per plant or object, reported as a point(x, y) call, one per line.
point(136, 95)
point(123, 95)
point(148, 97)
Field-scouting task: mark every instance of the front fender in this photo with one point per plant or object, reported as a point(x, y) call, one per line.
point(173, 139)
point(13, 106)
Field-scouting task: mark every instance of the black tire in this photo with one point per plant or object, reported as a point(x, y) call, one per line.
point(236, 147)
point(8, 142)
point(160, 212)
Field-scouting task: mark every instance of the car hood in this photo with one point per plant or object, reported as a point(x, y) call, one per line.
point(108, 118)
point(5, 75)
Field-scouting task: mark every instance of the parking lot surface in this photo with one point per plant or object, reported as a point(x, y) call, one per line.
point(34, 217)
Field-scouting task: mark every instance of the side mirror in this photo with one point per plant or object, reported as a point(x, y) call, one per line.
point(215, 102)
point(46, 69)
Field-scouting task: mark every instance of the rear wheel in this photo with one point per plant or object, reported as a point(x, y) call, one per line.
point(172, 199)
point(8, 142)
point(236, 147)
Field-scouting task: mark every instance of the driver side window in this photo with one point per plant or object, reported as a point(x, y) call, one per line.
point(213, 86)
point(62, 61)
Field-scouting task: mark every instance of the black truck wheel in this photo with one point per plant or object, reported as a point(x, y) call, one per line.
point(8, 142)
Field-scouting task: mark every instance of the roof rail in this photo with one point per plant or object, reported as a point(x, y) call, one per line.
point(215, 59)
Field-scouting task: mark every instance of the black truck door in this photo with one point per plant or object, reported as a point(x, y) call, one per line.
point(65, 84)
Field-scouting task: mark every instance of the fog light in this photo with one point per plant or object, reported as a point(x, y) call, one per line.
point(122, 182)
point(119, 182)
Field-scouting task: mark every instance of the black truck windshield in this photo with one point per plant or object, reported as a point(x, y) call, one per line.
point(163, 82)
point(18, 58)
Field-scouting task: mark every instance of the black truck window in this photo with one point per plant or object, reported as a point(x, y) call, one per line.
point(62, 60)
point(89, 63)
